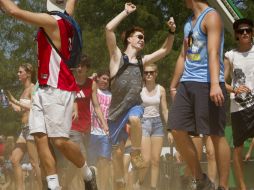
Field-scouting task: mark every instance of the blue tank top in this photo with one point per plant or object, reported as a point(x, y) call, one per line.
point(196, 59)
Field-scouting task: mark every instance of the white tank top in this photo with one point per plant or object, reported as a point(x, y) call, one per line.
point(151, 103)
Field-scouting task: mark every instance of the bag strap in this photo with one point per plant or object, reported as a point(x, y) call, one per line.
point(126, 64)
point(52, 44)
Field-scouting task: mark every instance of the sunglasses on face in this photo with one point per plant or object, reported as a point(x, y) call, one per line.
point(140, 37)
point(242, 30)
point(149, 72)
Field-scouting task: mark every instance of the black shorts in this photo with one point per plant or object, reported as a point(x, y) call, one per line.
point(193, 111)
point(242, 125)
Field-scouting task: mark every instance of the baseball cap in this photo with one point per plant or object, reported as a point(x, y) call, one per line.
point(242, 21)
point(56, 5)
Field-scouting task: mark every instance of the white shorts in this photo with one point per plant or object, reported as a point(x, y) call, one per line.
point(51, 112)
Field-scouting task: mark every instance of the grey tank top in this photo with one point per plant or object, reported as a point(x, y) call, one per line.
point(125, 90)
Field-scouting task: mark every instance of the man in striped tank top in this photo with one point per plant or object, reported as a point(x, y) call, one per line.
point(199, 100)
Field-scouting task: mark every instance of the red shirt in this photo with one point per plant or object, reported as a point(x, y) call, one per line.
point(83, 99)
point(2, 149)
point(52, 70)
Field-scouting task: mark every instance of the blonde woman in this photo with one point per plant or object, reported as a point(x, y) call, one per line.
point(154, 101)
point(25, 142)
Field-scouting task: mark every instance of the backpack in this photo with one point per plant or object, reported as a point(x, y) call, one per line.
point(124, 67)
point(76, 41)
point(126, 64)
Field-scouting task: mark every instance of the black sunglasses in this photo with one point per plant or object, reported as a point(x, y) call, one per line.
point(149, 72)
point(141, 37)
point(190, 39)
point(241, 30)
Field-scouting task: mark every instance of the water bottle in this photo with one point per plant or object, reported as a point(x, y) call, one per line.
point(4, 99)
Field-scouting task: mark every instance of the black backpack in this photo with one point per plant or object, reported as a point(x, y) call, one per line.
point(126, 64)
point(76, 42)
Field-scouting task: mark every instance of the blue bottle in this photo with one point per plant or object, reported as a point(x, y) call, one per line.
point(4, 99)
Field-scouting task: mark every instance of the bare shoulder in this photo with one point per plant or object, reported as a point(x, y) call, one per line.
point(162, 89)
point(213, 18)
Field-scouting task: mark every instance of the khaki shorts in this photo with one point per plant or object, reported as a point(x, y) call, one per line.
point(51, 112)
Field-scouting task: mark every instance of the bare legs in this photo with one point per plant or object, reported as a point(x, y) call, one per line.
point(118, 166)
point(222, 155)
point(68, 148)
point(34, 160)
point(16, 158)
point(103, 167)
point(151, 150)
point(238, 167)
point(188, 151)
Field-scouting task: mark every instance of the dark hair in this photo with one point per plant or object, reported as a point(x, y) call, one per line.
point(85, 61)
point(242, 21)
point(126, 34)
point(29, 69)
point(103, 72)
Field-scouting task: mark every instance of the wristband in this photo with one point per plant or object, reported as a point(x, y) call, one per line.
point(172, 89)
point(126, 11)
point(170, 32)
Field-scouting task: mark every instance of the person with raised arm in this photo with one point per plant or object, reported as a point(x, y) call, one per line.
point(126, 69)
point(52, 103)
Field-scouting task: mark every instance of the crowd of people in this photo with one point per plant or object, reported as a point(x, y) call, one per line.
point(113, 121)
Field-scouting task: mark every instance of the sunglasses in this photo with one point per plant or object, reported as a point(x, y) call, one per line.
point(149, 72)
point(242, 30)
point(190, 39)
point(140, 37)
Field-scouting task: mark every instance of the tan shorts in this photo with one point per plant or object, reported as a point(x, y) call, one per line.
point(51, 112)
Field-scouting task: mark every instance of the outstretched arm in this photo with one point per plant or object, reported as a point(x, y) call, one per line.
point(114, 51)
point(39, 19)
point(111, 26)
point(166, 47)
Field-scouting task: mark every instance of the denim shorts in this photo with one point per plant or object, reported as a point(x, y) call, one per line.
point(117, 130)
point(152, 127)
point(99, 147)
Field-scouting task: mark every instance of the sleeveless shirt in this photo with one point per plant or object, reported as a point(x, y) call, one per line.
point(125, 90)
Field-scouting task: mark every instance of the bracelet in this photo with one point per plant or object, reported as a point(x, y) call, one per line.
point(172, 89)
point(170, 32)
point(16, 102)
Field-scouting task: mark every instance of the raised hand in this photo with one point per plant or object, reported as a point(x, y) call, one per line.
point(171, 24)
point(129, 8)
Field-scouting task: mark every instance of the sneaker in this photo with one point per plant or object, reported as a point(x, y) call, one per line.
point(91, 185)
point(137, 161)
point(204, 184)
